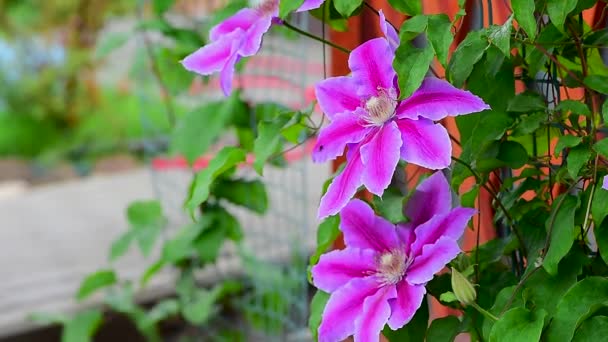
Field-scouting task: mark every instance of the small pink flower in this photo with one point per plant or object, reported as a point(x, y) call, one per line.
point(380, 276)
point(238, 36)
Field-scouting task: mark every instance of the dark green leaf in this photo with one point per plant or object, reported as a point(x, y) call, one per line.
point(413, 27)
point(577, 158)
point(232, 226)
point(209, 243)
point(513, 154)
point(443, 329)
point(317, 305)
point(415, 330)
point(601, 147)
point(147, 221)
point(390, 206)
point(82, 327)
point(346, 7)
point(599, 209)
point(524, 14)
point(518, 324)
point(94, 282)
point(226, 159)
point(605, 111)
point(439, 34)
point(592, 330)
point(327, 233)
point(286, 7)
point(558, 11)
point(580, 302)
point(601, 231)
point(529, 123)
point(561, 227)
point(500, 36)
point(524, 103)
point(410, 7)
point(572, 106)
point(162, 6)
point(249, 194)
point(598, 83)
point(567, 141)
point(466, 55)
point(411, 65)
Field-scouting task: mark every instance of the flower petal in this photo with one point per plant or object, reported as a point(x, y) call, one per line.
point(343, 308)
point(338, 267)
point(372, 67)
point(389, 32)
point(436, 99)
point(253, 38)
point(227, 73)
point(376, 311)
point(605, 183)
point(309, 5)
point(345, 128)
point(242, 19)
point(337, 95)
point(432, 260)
point(380, 157)
point(210, 58)
point(344, 186)
point(425, 143)
point(406, 234)
point(450, 225)
point(363, 229)
point(431, 197)
point(404, 306)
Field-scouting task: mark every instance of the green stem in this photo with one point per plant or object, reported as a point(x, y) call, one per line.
point(319, 39)
point(484, 311)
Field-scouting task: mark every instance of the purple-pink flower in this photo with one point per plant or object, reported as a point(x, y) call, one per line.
point(378, 129)
point(380, 276)
point(238, 36)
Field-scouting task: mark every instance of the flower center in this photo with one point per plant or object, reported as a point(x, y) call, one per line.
point(380, 108)
point(265, 7)
point(392, 266)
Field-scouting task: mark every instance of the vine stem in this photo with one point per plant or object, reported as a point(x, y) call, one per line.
point(484, 311)
point(319, 39)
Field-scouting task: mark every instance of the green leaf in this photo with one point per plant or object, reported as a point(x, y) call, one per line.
point(413, 27)
point(415, 330)
point(346, 7)
point(121, 245)
point(500, 36)
point(45, 318)
point(286, 7)
point(94, 282)
point(597, 82)
point(409, 7)
point(439, 34)
point(599, 209)
point(160, 312)
point(147, 221)
point(605, 112)
point(226, 159)
point(110, 43)
point(518, 324)
point(580, 302)
point(181, 245)
point(267, 142)
point(411, 65)
point(443, 329)
point(592, 330)
point(513, 154)
point(317, 305)
point(199, 129)
point(524, 14)
point(558, 11)
point(198, 310)
point(390, 206)
point(529, 123)
point(233, 228)
point(162, 6)
point(601, 147)
point(561, 227)
point(572, 106)
point(82, 327)
point(465, 56)
point(151, 271)
point(526, 102)
point(567, 141)
point(249, 194)
point(209, 243)
point(448, 297)
point(601, 232)
point(577, 158)
point(327, 233)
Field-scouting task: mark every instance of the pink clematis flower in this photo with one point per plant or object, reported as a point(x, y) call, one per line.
point(238, 36)
point(378, 129)
point(380, 276)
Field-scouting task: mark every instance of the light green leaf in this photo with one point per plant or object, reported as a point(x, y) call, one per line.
point(572, 106)
point(577, 158)
point(592, 330)
point(160, 312)
point(605, 112)
point(121, 245)
point(209, 243)
point(198, 310)
point(327, 233)
point(599, 209)
point(162, 6)
point(181, 245)
point(147, 221)
point(561, 227)
point(267, 142)
point(111, 42)
point(467, 54)
point(82, 327)
point(346, 7)
point(410, 7)
point(567, 141)
point(45, 318)
point(390, 206)
point(317, 305)
point(518, 325)
point(524, 14)
point(443, 329)
point(598, 83)
point(413, 27)
point(601, 147)
point(412, 65)
point(558, 11)
point(448, 297)
point(439, 34)
point(226, 159)
point(500, 36)
point(249, 194)
point(580, 302)
point(286, 7)
point(525, 102)
point(151, 271)
point(94, 282)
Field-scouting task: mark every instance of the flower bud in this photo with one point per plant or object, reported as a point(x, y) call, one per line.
point(462, 288)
